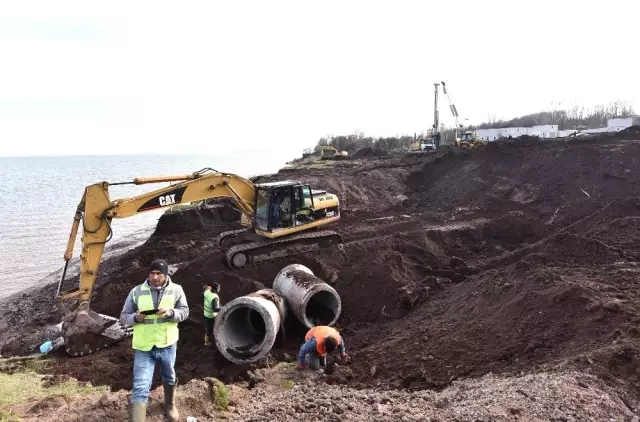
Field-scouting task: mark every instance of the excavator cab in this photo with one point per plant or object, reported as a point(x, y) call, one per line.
point(284, 212)
point(283, 205)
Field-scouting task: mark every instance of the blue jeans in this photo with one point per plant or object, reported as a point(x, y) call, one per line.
point(315, 362)
point(144, 363)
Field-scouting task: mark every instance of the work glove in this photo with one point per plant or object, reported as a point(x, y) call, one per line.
point(299, 366)
point(345, 357)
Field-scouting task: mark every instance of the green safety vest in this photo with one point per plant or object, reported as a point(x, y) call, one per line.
point(208, 298)
point(154, 330)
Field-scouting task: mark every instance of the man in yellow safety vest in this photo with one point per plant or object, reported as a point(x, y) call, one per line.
point(154, 309)
point(211, 309)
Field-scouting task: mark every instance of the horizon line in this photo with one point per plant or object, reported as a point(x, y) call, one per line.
point(135, 154)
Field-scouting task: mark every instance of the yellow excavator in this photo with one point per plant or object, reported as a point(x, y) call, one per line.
point(284, 218)
point(469, 140)
point(327, 151)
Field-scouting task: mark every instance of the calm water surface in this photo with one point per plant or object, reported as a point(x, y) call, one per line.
point(39, 196)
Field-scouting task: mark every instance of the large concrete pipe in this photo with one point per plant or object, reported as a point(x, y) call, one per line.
point(310, 299)
point(246, 328)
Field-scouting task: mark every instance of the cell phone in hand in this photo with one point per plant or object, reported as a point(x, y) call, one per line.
point(151, 312)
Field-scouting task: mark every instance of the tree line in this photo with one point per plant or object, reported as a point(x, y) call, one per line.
point(356, 141)
point(574, 118)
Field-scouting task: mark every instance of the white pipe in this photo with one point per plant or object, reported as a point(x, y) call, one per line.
point(310, 299)
point(246, 328)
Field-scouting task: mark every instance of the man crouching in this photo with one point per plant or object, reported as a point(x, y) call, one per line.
point(320, 341)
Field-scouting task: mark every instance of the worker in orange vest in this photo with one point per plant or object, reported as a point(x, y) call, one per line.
point(319, 342)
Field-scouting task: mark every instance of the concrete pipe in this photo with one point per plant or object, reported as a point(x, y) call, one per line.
point(246, 328)
point(310, 299)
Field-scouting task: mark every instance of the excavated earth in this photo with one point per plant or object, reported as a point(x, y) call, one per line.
point(496, 284)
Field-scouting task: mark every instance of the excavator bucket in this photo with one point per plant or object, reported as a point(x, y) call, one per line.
point(86, 332)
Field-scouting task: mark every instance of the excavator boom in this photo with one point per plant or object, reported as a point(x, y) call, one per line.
point(85, 331)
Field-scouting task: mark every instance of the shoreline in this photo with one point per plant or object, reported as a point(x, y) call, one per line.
point(34, 237)
point(122, 246)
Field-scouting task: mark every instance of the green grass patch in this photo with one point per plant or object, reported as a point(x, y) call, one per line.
point(219, 393)
point(23, 386)
point(8, 417)
point(319, 164)
point(284, 366)
point(286, 384)
point(35, 363)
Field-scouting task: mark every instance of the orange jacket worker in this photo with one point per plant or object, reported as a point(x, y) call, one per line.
point(319, 342)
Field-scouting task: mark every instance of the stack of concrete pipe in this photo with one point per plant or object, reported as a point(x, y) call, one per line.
point(246, 328)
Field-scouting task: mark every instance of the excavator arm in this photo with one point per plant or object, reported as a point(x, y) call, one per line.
point(84, 330)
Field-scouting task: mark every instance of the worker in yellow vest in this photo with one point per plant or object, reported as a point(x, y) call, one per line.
point(211, 309)
point(154, 309)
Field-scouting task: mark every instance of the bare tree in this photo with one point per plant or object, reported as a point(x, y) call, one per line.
point(567, 119)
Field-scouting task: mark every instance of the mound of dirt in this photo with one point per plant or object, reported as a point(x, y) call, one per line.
point(547, 178)
point(369, 152)
point(632, 132)
point(529, 139)
point(197, 219)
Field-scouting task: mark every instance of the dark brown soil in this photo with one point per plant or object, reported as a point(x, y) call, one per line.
point(517, 257)
point(369, 152)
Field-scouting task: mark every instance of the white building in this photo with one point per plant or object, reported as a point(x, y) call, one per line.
point(549, 131)
point(543, 131)
point(613, 125)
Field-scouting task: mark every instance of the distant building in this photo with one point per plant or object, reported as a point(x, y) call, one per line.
point(613, 125)
point(543, 131)
point(549, 131)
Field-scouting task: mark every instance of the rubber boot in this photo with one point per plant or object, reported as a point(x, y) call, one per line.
point(137, 412)
point(207, 340)
point(169, 401)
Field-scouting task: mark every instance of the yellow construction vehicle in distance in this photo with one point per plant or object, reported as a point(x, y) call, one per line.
point(280, 216)
point(469, 140)
point(327, 151)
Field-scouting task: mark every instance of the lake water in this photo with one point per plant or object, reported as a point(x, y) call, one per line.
point(39, 196)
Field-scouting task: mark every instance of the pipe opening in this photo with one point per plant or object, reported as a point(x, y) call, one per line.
point(245, 328)
point(322, 308)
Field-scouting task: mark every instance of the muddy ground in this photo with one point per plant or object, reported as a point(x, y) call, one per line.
point(519, 259)
point(286, 395)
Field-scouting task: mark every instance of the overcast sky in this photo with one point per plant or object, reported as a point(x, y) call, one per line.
point(206, 77)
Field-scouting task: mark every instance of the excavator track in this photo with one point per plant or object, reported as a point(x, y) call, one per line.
point(255, 253)
point(225, 237)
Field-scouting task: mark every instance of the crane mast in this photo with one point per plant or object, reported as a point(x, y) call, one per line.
point(436, 123)
point(452, 107)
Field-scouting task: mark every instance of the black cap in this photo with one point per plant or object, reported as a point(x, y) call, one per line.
point(159, 265)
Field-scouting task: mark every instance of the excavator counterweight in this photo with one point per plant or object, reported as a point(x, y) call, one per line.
point(280, 216)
